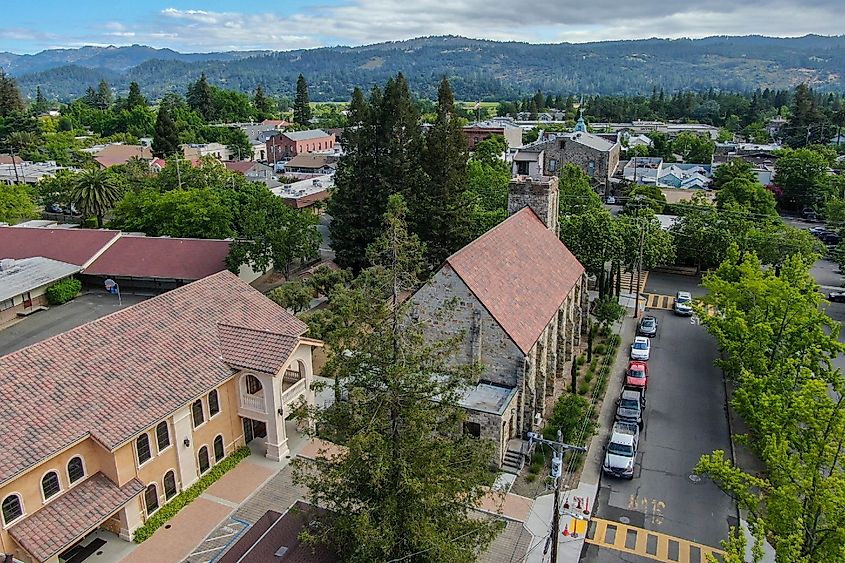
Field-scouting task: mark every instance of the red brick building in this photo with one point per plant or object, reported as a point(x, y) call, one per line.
point(287, 145)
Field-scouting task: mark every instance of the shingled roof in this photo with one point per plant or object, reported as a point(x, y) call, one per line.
point(151, 257)
point(74, 246)
point(521, 273)
point(60, 523)
point(118, 375)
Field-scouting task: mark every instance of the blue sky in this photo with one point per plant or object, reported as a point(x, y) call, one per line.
point(209, 25)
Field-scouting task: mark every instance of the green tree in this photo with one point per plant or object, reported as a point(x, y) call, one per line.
point(594, 238)
point(10, 96)
point(439, 210)
point(778, 346)
point(644, 241)
point(644, 197)
point(263, 105)
point(135, 98)
point(201, 99)
point(41, 104)
point(488, 177)
point(95, 193)
point(407, 480)
point(295, 295)
point(16, 203)
point(694, 148)
point(734, 169)
point(576, 194)
point(166, 137)
point(103, 97)
point(239, 144)
point(748, 195)
point(302, 104)
point(802, 175)
point(190, 212)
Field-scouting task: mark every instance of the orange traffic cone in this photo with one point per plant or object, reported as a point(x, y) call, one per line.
point(566, 529)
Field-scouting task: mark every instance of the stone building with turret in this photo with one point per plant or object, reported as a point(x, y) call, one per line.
point(516, 298)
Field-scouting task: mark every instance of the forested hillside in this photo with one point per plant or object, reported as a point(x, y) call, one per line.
point(478, 69)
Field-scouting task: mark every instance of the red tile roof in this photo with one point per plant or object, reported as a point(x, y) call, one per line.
point(74, 246)
point(54, 527)
point(112, 155)
point(241, 166)
point(149, 257)
point(118, 375)
point(521, 272)
point(265, 351)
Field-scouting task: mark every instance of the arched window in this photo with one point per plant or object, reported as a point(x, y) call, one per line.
point(162, 435)
point(196, 410)
point(151, 498)
point(203, 459)
point(50, 484)
point(75, 470)
point(253, 386)
point(142, 445)
point(169, 485)
point(213, 403)
point(12, 509)
point(219, 450)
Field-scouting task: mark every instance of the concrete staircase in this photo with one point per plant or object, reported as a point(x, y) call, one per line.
point(514, 459)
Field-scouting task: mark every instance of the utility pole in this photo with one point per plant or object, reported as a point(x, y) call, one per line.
point(639, 269)
point(558, 447)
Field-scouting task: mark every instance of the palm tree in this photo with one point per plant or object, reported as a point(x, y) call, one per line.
point(95, 193)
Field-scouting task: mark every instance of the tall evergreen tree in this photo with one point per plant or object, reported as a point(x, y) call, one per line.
point(301, 104)
point(41, 104)
point(166, 137)
point(10, 96)
point(440, 212)
point(201, 98)
point(103, 98)
point(263, 105)
point(407, 480)
point(135, 98)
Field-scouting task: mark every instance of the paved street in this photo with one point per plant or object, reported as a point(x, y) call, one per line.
point(685, 418)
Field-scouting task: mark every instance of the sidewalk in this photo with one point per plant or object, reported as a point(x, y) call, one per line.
point(177, 539)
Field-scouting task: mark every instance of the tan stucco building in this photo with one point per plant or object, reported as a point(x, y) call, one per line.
point(104, 424)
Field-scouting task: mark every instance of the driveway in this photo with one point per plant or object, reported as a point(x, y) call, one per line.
point(685, 417)
point(55, 320)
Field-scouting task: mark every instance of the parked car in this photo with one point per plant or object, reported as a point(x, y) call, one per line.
point(817, 231)
point(647, 327)
point(830, 238)
point(836, 296)
point(641, 348)
point(636, 376)
point(610, 200)
point(629, 407)
point(683, 303)
point(809, 214)
point(621, 450)
point(54, 208)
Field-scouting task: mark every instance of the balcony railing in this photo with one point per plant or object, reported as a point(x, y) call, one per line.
point(293, 391)
point(253, 403)
point(290, 378)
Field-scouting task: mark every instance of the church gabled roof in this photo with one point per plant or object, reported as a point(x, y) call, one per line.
point(521, 273)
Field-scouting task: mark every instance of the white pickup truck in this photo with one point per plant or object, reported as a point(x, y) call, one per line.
point(621, 450)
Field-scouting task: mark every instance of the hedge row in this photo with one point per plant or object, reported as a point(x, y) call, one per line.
point(184, 498)
point(63, 291)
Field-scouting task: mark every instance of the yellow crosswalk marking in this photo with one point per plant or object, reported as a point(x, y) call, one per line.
point(667, 302)
point(686, 551)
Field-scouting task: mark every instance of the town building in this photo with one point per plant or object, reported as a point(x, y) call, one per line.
point(195, 151)
point(312, 164)
point(106, 423)
point(117, 153)
point(253, 171)
point(669, 129)
point(29, 172)
point(649, 170)
point(285, 146)
point(483, 130)
point(516, 298)
point(306, 194)
point(24, 282)
point(597, 157)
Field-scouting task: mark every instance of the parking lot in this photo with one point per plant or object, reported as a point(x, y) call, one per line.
point(685, 417)
point(55, 320)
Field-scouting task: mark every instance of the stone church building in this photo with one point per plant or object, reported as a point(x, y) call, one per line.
point(517, 297)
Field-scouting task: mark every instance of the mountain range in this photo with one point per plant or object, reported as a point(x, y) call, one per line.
point(478, 69)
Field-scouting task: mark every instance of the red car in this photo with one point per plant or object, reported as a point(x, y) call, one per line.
point(636, 376)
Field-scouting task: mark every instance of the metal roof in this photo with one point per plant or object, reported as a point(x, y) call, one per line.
point(19, 276)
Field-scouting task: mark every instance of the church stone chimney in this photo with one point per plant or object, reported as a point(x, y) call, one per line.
point(540, 193)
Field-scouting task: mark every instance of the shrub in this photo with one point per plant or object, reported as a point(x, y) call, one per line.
point(613, 340)
point(583, 388)
point(588, 376)
point(63, 291)
point(184, 498)
point(580, 360)
point(600, 349)
point(595, 361)
point(604, 331)
point(568, 416)
point(530, 478)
